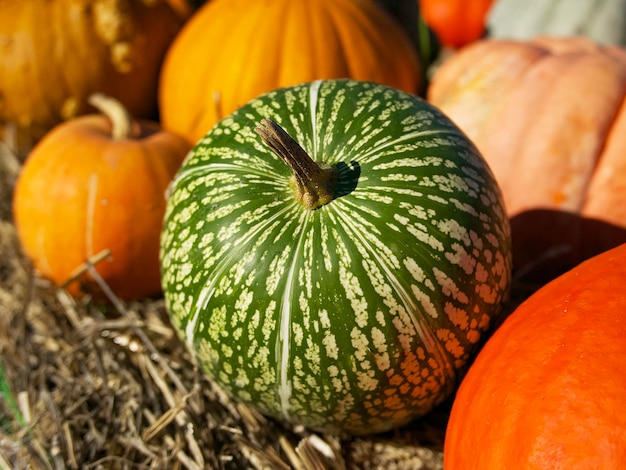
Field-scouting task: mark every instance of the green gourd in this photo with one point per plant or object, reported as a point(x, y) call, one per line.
point(333, 252)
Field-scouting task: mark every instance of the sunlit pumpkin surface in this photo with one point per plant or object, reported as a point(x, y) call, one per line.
point(547, 391)
point(85, 190)
point(230, 51)
point(356, 316)
point(549, 117)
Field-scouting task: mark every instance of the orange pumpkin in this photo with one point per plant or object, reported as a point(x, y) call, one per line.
point(94, 183)
point(548, 389)
point(231, 51)
point(549, 116)
point(456, 22)
point(57, 53)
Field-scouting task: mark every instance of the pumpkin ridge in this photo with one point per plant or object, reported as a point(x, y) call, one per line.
point(613, 123)
point(284, 338)
point(604, 139)
point(587, 193)
point(296, 38)
point(338, 25)
point(193, 31)
point(363, 242)
point(375, 151)
point(349, 40)
point(519, 58)
point(605, 189)
point(325, 34)
point(203, 296)
point(605, 130)
point(270, 70)
point(241, 41)
point(92, 192)
point(330, 14)
point(313, 100)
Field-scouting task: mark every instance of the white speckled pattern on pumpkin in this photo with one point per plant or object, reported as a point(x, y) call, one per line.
point(357, 316)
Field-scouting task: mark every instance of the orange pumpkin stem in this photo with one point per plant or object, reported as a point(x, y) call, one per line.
point(123, 125)
point(313, 184)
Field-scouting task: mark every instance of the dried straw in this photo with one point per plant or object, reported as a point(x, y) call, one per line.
point(109, 385)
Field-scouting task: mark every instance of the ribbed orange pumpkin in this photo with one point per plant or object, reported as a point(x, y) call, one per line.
point(549, 116)
point(54, 54)
point(97, 183)
point(547, 391)
point(231, 51)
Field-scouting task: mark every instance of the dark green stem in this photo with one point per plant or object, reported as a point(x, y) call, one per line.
point(314, 184)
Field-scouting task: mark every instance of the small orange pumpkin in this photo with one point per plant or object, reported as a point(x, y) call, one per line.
point(549, 116)
point(94, 183)
point(231, 51)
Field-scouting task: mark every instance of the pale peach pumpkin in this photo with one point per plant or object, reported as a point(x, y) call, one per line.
point(550, 118)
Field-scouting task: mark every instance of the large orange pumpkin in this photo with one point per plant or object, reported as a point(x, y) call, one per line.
point(547, 391)
point(549, 116)
point(231, 51)
point(94, 183)
point(54, 54)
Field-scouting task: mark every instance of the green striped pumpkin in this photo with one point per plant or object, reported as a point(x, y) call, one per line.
point(355, 314)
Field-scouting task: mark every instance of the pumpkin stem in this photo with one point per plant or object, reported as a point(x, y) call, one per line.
point(313, 183)
point(123, 125)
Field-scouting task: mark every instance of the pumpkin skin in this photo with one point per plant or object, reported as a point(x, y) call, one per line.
point(255, 47)
point(550, 119)
point(82, 191)
point(56, 54)
point(355, 317)
point(547, 391)
point(456, 22)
